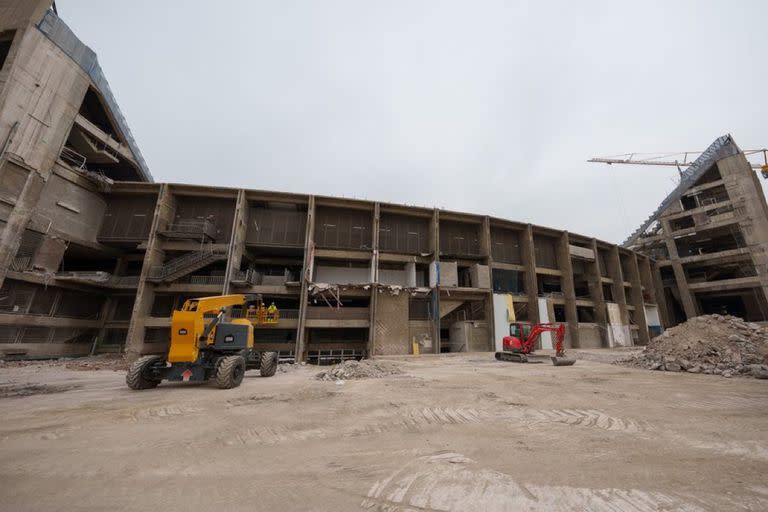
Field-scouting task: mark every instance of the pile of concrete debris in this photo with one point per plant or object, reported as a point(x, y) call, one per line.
point(114, 362)
point(710, 344)
point(365, 369)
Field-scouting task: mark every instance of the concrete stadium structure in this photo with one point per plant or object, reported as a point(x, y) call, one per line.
point(94, 256)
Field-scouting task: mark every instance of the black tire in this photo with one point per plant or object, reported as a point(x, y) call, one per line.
point(138, 375)
point(268, 364)
point(230, 371)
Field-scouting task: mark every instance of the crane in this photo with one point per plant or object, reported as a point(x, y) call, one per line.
point(677, 159)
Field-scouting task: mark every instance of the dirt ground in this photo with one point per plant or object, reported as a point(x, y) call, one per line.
point(463, 433)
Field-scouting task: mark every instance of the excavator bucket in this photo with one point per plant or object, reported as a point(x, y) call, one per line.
point(562, 360)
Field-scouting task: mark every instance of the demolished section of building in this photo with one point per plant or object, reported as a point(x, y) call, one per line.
point(709, 238)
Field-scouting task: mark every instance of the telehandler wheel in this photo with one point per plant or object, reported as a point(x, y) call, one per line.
point(138, 375)
point(230, 372)
point(268, 364)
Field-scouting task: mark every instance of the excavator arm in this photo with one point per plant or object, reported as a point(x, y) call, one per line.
point(539, 329)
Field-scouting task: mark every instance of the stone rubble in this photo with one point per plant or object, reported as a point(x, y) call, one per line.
point(365, 369)
point(710, 344)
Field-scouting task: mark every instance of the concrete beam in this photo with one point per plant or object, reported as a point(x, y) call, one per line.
point(100, 135)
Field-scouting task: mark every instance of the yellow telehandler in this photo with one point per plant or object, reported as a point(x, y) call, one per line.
point(208, 348)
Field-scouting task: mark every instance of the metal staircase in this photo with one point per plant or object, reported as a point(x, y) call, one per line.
point(185, 264)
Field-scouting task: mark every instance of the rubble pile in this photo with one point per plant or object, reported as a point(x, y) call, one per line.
point(114, 362)
point(710, 344)
point(365, 369)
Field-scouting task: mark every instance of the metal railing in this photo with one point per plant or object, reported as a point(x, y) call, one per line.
point(176, 265)
point(191, 228)
point(72, 157)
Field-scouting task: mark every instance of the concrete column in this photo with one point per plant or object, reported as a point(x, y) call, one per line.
point(649, 278)
point(374, 279)
point(485, 250)
point(661, 299)
point(596, 293)
point(306, 277)
point(614, 270)
point(26, 202)
point(237, 240)
point(529, 261)
point(569, 291)
point(434, 244)
point(165, 209)
point(689, 305)
point(637, 300)
point(485, 240)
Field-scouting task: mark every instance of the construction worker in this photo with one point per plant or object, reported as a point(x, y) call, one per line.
point(271, 312)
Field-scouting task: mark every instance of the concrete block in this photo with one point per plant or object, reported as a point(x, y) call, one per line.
point(480, 276)
point(49, 254)
point(444, 273)
point(410, 275)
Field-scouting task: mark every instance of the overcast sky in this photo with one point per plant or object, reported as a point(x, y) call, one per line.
point(490, 107)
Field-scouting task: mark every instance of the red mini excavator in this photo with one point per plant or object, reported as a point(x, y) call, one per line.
point(521, 342)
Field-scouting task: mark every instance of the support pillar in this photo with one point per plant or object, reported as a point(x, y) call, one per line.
point(165, 208)
point(689, 305)
point(531, 286)
point(638, 300)
point(306, 278)
point(434, 245)
point(569, 291)
point(596, 293)
point(374, 279)
point(237, 240)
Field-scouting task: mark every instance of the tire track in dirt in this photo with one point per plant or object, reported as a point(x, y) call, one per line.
point(450, 481)
point(413, 420)
point(589, 418)
point(728, 401)
point(162, 412)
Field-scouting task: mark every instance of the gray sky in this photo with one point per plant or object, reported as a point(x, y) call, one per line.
point(489, 107)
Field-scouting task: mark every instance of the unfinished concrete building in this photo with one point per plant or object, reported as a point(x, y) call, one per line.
point(94, 256)
point(709, 238)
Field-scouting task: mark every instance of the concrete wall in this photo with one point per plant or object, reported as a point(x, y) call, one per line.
point(342, 275)
point(391, 329)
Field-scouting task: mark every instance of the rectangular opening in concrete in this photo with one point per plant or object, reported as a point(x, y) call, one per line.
point(342, 271)
point(331, 345)
point(549, 285)
point(276, 224)
point(202, 218)
point(404, 234)
point(6, 40)
point(343, 228)
point(546, 251)
point(128, 219)
point(459, 239)
point(506, 246)
point(746, 303)
point(725, 238)
point(508, 281)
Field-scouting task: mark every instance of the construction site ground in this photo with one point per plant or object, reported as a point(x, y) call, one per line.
point(464, 433)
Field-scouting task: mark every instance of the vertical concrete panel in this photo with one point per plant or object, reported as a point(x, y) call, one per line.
point(501, 318)
point(544, 307)
point(391, 324)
